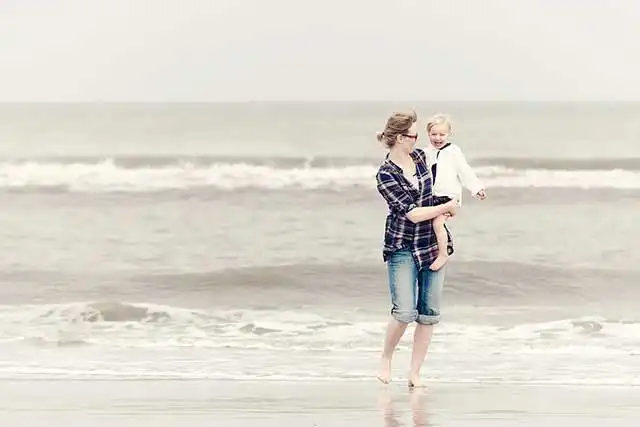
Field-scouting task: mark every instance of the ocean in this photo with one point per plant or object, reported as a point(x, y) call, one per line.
point(243, 242)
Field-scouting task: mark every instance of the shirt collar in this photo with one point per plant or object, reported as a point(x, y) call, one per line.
point(414, 155)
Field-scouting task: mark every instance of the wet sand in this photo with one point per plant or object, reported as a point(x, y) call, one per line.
point(165, 403)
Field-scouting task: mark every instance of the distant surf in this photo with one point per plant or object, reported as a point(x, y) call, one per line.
point(157, 174)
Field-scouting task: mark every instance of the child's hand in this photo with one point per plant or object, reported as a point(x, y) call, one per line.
point(481, 194)
point(452, 206)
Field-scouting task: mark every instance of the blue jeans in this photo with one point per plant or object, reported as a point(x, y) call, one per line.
point(415, 295)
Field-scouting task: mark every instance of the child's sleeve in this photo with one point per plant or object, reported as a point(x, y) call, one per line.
point(467, 176)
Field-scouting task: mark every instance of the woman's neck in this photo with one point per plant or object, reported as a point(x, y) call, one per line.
point(400, 158)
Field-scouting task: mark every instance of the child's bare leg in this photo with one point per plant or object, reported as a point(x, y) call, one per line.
point(441, 238)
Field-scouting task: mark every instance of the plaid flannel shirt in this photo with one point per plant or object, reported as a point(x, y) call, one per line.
point(401, 197)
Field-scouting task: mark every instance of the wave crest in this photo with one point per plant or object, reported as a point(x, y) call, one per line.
point(109, 176)
point(146, 325)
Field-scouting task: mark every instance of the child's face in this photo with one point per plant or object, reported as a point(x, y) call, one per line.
point(438, 135)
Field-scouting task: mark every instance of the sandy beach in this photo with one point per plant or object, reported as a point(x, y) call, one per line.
point(228, 404)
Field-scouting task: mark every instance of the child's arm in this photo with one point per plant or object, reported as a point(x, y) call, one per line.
point(468, 177)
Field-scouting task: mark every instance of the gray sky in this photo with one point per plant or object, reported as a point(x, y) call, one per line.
point(235, 50)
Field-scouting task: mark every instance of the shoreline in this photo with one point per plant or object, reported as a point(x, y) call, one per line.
point(363, 403)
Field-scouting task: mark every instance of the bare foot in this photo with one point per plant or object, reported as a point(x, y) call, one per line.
point(384, 375)
point(414, 381)
point(439, 262)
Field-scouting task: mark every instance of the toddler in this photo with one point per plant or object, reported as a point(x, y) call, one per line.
point(450, 172)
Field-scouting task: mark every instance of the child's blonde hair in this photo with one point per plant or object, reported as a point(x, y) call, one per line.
point(438, 120)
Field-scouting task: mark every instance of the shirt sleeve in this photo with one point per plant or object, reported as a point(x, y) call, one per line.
point(467, 176)
point(398, 199)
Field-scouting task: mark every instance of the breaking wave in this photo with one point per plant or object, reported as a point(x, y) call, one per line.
point(94, 175)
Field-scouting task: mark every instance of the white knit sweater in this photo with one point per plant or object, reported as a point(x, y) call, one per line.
point(453, 172)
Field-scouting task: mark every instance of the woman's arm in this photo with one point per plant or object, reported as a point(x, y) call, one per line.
point(402, 203)
point(426, 213)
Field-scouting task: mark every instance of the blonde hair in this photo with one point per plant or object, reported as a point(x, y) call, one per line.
point(397, 124)
point(438, 120)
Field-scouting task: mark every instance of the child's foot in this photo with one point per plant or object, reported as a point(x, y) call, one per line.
point(439, 262)
point(384, 375)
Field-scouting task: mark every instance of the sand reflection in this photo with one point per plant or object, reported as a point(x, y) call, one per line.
point(404, 407)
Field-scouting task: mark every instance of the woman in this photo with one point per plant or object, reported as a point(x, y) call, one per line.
point(410, 245)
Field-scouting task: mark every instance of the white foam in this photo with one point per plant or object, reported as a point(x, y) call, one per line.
point(58, 341)
point(473, 370)
point(106, 176)
point(296, 331)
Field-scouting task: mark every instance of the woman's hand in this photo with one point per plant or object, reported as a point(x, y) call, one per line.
point(452, 208)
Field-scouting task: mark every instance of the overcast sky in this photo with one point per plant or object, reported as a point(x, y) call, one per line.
point(236, 50)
